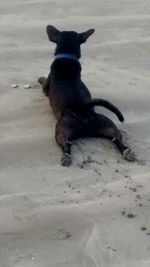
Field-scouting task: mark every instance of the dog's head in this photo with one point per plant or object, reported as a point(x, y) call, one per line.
point(68, 41)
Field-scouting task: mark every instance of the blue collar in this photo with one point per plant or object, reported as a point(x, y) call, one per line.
point(65, 55)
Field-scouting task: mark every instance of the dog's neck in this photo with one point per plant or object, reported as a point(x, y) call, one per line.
point(66, 56)
point(66, 66)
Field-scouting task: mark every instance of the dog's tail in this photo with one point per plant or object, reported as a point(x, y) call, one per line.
point(104, 103)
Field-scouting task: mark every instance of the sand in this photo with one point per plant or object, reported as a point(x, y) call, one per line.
point(95, 213)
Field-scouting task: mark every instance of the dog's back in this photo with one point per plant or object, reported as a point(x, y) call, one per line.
point(66, 88)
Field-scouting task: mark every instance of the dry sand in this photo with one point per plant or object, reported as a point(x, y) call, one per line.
point(95, 214)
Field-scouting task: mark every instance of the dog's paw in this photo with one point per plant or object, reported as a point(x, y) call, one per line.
point(66, 160)
point(128, 155)
point(42, 80)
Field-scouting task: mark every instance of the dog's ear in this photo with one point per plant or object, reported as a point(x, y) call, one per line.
point(85, 35)
point(52, 33)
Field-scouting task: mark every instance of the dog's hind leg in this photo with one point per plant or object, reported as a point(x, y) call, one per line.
point(64, 134)
point(69, 128)
point(63, 139)
point(101, 126)
point(125, 150)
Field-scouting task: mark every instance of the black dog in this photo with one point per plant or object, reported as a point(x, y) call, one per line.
point(71, 101)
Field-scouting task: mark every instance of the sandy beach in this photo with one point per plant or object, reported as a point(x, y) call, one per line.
point(95, 213)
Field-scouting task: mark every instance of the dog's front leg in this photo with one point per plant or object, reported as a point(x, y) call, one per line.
point(45, 84)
